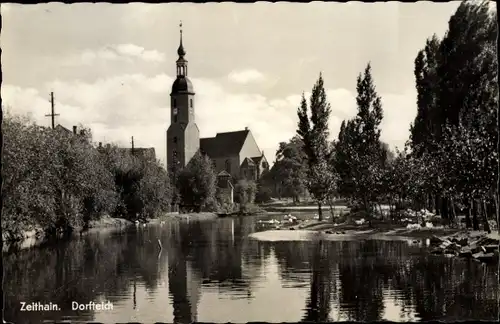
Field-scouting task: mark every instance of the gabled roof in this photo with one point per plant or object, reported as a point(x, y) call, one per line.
point(257, 159)
point(223, 173)
point(247, 162)
point(62, 128)
point(224, 144)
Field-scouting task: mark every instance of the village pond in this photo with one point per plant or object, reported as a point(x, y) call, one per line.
point(212, 271)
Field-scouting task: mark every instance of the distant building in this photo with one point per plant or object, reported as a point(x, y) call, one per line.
point(64, 130)
point(237, 153)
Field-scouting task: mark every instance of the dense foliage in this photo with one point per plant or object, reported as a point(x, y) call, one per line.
point(197, 184)
point(455, 132)
point(450, 163)
point(57, 182)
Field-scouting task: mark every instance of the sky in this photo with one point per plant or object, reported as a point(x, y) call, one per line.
point(111, 66)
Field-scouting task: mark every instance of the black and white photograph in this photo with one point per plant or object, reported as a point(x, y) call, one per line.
point(250, 162)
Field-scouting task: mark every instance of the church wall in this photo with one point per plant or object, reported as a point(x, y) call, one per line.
point(182, 103)
point(175, 131)
point(249, 149)
point(191, 141)
point(220, 164)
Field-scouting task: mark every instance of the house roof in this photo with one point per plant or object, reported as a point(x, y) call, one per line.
point(60, 127)
point(224, 144)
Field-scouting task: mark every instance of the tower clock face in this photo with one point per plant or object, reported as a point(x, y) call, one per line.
point(175, 111)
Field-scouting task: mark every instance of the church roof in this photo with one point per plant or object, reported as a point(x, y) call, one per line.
point(182, 84)
point(224, 144)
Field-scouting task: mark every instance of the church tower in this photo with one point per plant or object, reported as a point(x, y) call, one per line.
point(183, 135)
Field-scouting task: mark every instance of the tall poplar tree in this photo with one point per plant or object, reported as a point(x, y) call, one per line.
point(313, 131)
point(457, 86)
point(369, 153)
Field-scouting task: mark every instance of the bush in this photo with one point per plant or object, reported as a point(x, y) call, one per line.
point(263, 195)
point(224, 204)
point(59, 181)
point(244, 194)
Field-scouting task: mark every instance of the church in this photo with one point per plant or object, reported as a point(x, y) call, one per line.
point(235, 155)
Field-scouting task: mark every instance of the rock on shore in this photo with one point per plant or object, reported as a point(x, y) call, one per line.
point(479, 246)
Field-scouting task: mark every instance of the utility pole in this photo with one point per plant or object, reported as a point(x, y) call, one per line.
point(132, 145)
point(52, 112)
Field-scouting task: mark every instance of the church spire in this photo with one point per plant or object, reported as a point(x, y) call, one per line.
point(181, 50)
point(181, 61)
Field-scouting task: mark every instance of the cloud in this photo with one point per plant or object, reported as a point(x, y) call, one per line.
point(119, 107)
point(246, 76)
point(123, 52)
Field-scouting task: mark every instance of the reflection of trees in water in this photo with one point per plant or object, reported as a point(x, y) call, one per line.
point(434, 286)
point(364, 270)
point(220, 254)
point(294, 260)
point(84, 269)
point(318, 305)
point(460, 289)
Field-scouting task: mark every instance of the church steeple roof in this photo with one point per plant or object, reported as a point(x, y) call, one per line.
point(181, 51)
point(182, 84)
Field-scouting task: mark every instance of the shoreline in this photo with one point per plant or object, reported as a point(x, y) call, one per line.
point(458, 242)
point(35, 237)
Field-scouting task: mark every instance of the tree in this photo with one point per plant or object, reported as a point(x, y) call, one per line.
point(56, 181)
point(456, 80)
point(290, 168)
point(425, 125)
point(154, 188)
point(245, 194)
point(197, 183)
point(360, 155)
point(313, 131)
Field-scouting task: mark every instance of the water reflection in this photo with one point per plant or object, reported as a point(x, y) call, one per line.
point(211, 271)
